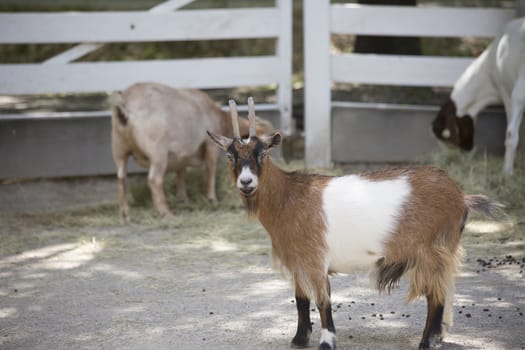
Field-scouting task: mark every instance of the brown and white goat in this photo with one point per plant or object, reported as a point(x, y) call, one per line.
point(164, 128)
point(403, 220)
point(497, 75)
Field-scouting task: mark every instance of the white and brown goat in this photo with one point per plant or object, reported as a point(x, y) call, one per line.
point(164, 128)
point(403, 220)
point(497, 75)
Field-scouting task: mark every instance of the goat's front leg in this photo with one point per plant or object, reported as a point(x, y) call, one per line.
point(514, 117)
point(156, 182)
point(210, 159)
point(122, 162)
point(324, 305)
point(304, 326)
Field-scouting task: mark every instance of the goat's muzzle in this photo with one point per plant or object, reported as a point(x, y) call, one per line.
point(247, 191)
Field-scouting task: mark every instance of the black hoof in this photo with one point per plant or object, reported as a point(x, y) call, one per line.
point(300, 343)
point(430, 343)
point(302, 338)
point(326, 346)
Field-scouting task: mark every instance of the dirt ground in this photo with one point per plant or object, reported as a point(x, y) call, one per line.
point(73, 277)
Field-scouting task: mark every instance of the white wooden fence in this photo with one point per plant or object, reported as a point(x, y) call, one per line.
point(321, 19)
point(165, 22)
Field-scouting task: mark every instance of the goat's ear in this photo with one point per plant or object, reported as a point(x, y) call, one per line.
point(222, 141)
point(273, 140)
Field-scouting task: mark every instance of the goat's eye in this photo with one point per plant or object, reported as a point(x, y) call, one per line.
point(259, 156)
point(230, 157)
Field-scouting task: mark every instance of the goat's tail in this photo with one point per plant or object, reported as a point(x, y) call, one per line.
point(118, 107)
point(484, 205)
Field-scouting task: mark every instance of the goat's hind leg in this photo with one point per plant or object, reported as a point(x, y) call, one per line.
point(439, 294)
point(432, 335)
point(156, 174)
point(328, 338)
point(182, 194)
point(122, 161)
point(514, 117)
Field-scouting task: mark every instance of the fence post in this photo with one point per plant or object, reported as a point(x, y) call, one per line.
point(284, 52)
point(520, 8)
point(317, 77)
point(520, 12)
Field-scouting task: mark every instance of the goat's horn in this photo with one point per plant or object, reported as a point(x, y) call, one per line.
point(235, 119)
point(251, 116)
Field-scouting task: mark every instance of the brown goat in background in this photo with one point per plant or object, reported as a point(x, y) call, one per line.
point(164, 128)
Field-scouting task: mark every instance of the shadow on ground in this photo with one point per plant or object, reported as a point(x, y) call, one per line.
point(204, 280)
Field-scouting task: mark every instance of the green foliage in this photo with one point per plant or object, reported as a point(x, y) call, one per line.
point(461, 47)
point(30, 53)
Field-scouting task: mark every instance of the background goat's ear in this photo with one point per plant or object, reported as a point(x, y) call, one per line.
point(273, 140)
point(222, 141)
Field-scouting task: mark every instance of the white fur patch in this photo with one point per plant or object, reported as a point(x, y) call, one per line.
point(246, 175)
point(327, 337)
point(360, 215)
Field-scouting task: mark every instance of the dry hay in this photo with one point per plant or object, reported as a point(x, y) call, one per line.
point(476, 174)
point(227, 194)
point(482, 174)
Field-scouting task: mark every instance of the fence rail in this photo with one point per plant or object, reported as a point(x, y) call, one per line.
point(107, 76)
point(397, 70)
point(418, 21)
point(105, 27)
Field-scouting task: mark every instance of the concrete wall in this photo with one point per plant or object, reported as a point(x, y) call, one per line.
point(61, 146)
point(363, 132)
point(54, 147)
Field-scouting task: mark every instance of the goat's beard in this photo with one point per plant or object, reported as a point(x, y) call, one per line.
point(251, 204)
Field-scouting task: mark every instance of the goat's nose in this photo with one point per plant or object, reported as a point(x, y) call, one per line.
point(246, 182)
